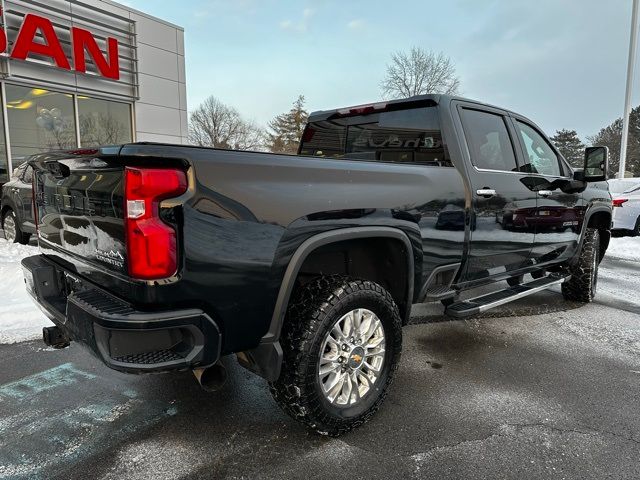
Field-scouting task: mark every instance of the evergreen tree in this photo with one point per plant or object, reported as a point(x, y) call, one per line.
point(611, 136)
point(570, 146)
point(285, 131)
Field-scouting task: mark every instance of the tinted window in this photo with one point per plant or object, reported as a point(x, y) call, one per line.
point(540, 156)
point(488, 140)
point(406, 136)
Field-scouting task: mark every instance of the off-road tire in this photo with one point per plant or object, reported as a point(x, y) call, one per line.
point(581, 287)
point(313, 311)
point(20, 237)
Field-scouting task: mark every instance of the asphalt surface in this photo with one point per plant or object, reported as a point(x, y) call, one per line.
point(538, 389)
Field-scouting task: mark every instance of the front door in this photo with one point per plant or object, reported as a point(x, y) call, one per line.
point(501, 239)
point(558, 216)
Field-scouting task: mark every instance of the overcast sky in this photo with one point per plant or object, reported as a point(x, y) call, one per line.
point(560, 62)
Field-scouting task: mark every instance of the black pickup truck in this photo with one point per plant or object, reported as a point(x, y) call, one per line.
point(162, 257)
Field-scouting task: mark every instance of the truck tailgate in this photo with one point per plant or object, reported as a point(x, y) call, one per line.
point(80, 207)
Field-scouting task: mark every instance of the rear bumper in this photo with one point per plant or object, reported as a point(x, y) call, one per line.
point(124, 338)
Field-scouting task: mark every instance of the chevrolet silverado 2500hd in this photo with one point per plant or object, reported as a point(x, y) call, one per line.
point(163, 257)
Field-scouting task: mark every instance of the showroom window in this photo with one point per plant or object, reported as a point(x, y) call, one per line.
point(39, 120)
point(103, 122)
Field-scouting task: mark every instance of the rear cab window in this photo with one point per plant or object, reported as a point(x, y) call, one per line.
point(409, 136)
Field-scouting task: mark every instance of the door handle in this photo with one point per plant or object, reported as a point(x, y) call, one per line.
point(545, 193)
point(486, 192)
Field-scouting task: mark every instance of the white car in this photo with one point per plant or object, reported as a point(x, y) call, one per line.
point(626, 203)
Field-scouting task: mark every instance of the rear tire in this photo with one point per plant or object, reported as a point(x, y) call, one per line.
point(11, 229)
point(581, 287)
point(320, 311)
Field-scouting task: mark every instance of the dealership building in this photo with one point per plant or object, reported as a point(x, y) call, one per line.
point(82, 73)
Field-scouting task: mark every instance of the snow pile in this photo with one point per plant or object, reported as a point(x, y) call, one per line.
point(20, 319)
point(625, 248)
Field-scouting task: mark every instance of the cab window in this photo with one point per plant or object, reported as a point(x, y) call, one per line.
point(488, 140)
point(408, 136)
point(539, 156)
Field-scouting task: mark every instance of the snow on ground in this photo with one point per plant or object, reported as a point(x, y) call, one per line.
point(625, 248)
point(20, 319)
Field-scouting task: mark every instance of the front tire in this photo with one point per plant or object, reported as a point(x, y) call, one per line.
point(341, 345)
point(581, 287)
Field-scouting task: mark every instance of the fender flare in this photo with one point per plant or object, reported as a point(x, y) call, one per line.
point(266, 359)
point(587, 219)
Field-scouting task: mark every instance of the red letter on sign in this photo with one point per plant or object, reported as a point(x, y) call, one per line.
point(84, 40)
point(3, 39)
point(26, 44)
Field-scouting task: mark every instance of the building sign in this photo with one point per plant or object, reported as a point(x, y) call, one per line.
point(83, 43)
point(82, 46)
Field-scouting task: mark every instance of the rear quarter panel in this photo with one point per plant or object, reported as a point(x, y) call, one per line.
point(250, 212)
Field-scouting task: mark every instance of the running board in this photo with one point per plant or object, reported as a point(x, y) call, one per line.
point(481, 304)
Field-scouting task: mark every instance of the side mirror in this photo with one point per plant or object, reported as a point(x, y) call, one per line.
point(596, 164)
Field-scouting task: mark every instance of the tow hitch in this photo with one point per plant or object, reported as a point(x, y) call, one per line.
point(54, 337)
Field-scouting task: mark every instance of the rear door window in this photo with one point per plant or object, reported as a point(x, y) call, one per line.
point(488, 140)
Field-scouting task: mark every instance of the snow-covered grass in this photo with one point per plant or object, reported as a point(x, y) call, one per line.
point(20, 319)
point(626, 248)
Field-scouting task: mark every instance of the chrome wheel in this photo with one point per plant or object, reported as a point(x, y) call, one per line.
point(9, 227)
point(352, 356)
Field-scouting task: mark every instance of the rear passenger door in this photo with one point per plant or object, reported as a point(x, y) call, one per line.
point(501, 238)
point(558, 216)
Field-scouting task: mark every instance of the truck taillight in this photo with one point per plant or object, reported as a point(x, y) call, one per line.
point(152, 247)
point(617, 202)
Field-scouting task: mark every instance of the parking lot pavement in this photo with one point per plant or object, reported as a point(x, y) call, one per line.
point(538, 389)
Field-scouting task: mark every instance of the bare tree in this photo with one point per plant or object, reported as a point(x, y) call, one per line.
point(419, 72)
point(101, 129)
point(214, 124)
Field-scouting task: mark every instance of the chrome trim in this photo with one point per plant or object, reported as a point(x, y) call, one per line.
point(512, 298)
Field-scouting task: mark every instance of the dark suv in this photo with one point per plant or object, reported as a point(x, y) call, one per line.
point(17, 206)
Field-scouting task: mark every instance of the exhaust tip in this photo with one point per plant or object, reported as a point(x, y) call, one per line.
point(211, 379)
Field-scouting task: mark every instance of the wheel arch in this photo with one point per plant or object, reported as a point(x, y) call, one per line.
point(600, 219)
point(6, 206)
point(266, 359)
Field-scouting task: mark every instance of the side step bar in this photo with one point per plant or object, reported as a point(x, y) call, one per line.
point(483, 303)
